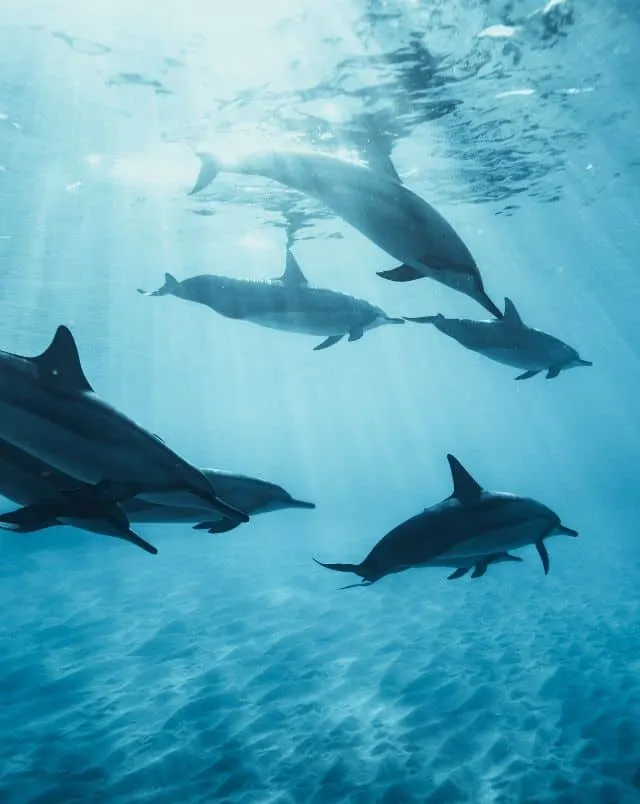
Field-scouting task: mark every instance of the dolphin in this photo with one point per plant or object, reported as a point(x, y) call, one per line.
point(375, 203)
point(510, 341)
point(470, 522)
point(50, 496)
point(287, 303)
point(48, 409)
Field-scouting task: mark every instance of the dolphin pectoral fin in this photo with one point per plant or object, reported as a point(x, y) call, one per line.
point(458, 573)
point(140, 542)
point(544, 555)
point(221, 526)
point(403, 273)
point(330, 341)
point(527, 375)
point(509, 557)
point(355, 334)
point(209, 169)
point(479, 569)
point(59, 365)
point(553, 372)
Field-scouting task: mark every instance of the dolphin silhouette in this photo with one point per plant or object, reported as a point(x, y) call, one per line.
point(375, 203)
point(287, 303)
point(511, 342)
point(470, 523)
point(48, 409)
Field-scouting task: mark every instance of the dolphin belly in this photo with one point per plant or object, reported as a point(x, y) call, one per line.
point(313, 322)
point(499, 539)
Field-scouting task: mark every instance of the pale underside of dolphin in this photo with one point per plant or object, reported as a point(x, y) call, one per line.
point(288, 303)
point(470, 523)
point(53, 498)
point(48, 409)
point(376, 204)
point(511, 342)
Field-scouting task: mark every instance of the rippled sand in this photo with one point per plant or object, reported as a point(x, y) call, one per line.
point(222, 673)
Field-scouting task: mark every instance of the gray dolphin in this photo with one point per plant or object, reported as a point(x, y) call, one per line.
point(51, 497)
point(471, 522)
point(288, 303)
point(48, 409)
point(511, 342)
point(375, 203)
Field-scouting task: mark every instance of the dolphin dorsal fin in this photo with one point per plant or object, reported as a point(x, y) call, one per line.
point(292, 272)
point(60, 365)
point(511, 315)
point(465, 488)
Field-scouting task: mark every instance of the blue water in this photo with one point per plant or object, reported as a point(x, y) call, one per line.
point(229, 668)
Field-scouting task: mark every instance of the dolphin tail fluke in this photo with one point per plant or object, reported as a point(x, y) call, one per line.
point(170, 286)
point(209, 169)
point(403, 273)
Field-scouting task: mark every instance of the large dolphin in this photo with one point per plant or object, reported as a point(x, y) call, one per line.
point(471, 522)
point(511, 342)
point(48, 496)
point(287, 303)
point(375, 203)
point(48, 409)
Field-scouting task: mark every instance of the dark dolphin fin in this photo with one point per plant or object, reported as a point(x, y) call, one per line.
point(553, 372)
point(292, 272)
point(170, 286)
point(221, 526)
point(465, 488)
point(403, 273)
point(527, 375)
point(133, 538)
point(479, 569)
point(381, 162)
point(209, 169)
point(59, 365)
point(458, 573)
point(330, 341)
point(544, 555)
point(511, 315)
point(355, 334)
point(355, 568)
point(506, 557)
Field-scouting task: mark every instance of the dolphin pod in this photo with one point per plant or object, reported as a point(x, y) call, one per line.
point(50, 497)
point(287, 303)
point(471, 527)
point(375, 203)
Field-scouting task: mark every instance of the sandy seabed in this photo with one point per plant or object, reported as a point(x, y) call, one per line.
point(228, 673)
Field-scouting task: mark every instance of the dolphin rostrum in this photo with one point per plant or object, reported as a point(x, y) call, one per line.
point(511, 342)
point(375, 203)
point(471, 522)
point(287, 303)
point(48, 409)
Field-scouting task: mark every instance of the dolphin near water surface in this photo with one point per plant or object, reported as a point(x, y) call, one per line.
point(375, 203)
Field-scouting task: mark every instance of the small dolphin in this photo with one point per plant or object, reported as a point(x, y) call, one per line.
point(471, 522)
point(48, 409)
point(375, 203)
point(479, 564)
point(246, 493)
point(287, 303)
point(511, 342)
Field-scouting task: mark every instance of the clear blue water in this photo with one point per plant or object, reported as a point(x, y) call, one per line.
point(229, 668)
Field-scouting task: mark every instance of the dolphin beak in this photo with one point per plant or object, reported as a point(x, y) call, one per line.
point(584, 362)
point(566, 531)
point(488, 305)
point(300, 504)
